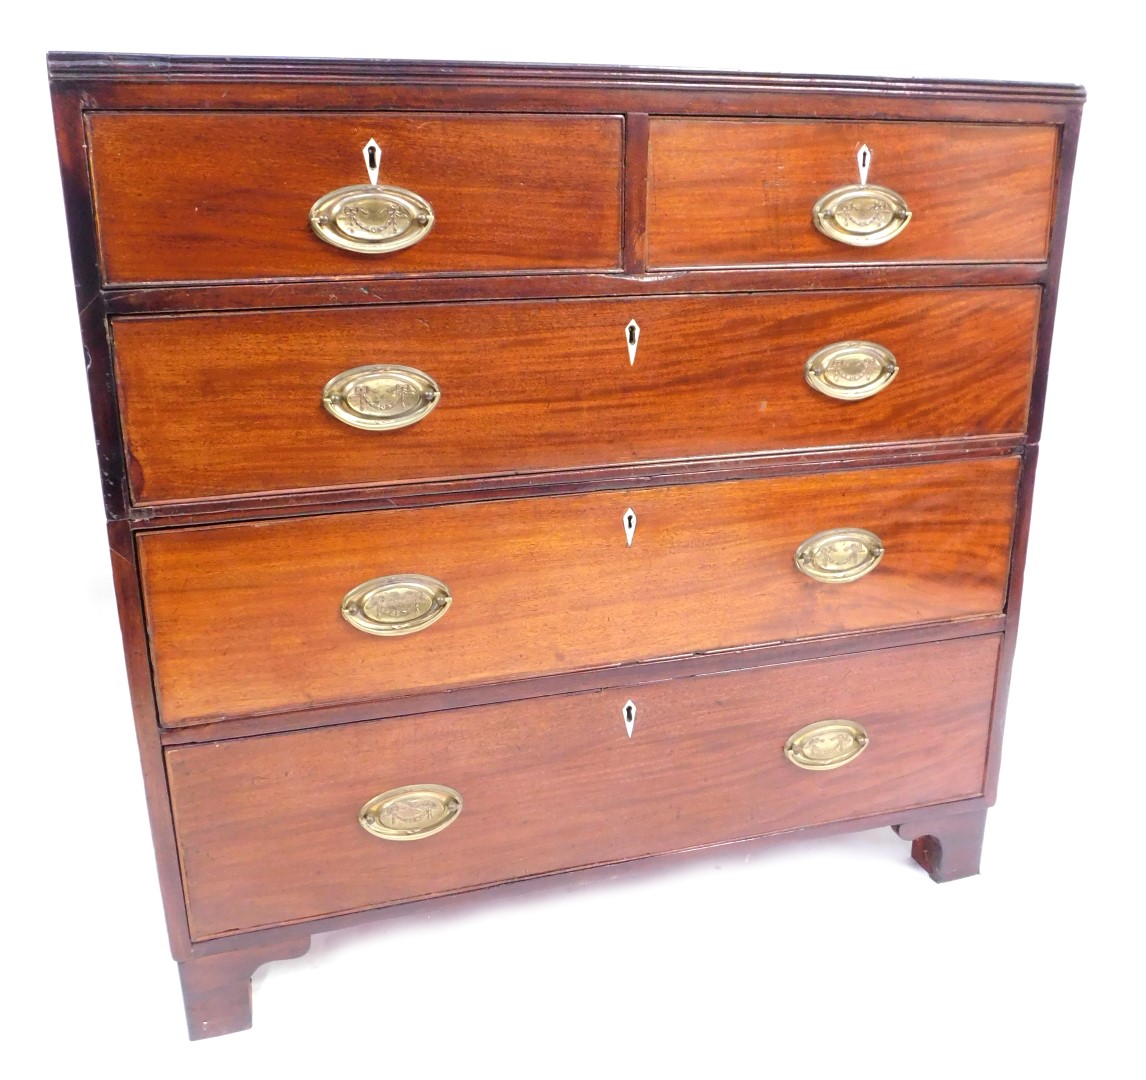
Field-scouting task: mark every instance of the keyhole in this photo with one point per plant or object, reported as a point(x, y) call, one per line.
point(372, 155)
point(865, 157)
point(632, 336)
point(629, 712)
point(629, 520)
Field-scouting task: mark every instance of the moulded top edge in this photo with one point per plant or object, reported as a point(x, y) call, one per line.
point(79, 66)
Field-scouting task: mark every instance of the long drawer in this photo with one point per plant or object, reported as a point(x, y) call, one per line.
point(248, 619)
point(210, 196)
point(269, 832)
point(743, 192)
point(217, 405)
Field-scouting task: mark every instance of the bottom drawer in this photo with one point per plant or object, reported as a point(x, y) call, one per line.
point(269, 832)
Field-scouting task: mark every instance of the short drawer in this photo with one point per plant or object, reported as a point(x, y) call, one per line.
point(248, 619)
point(742, 192)
point(204, 196)
point(559, 782)
point(221, 405)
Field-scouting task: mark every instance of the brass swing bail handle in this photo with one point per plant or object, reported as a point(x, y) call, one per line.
point(850, 370)
point(413, 812)
point(826, 744)
point(396, 605)
point(373, 218)
point(381, 397)
point(863, 214)
point(837, 556)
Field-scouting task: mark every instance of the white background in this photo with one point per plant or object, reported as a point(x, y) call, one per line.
point(824, 958)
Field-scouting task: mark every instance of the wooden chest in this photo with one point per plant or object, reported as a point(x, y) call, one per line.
point(521, 470)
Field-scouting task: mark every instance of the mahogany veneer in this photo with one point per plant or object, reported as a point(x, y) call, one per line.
point(223, 405)
point(556, 783)
point(215, 196)
point(723, 192)
point(246, 618)
point(655, 685)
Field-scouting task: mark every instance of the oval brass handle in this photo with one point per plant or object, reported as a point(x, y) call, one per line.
point(839, 555)
point(381, 397)
point(395, 605)
point(850, 370)
point(862, 215)
point(371, 218)
point(827, 744)
point(411, 813)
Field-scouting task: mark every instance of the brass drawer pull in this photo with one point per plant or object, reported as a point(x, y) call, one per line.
point(827, 744)
point(411, 813)
point(381, 397)
point(371, 218)
point(863, 214)
point(396, 605)
point(839, 555)
point(850, 370)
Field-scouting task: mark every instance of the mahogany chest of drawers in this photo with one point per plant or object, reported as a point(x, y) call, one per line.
point(519, 470)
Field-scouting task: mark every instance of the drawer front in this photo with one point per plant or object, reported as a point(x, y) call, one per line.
point(221, 405)
point(728, 192)
point(247, 619)
point(559, 783)
point(227, 196)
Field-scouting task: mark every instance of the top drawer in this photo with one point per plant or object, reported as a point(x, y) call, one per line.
point(190, 197)
point(742, 192)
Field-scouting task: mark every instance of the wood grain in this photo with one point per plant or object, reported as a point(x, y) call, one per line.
point(724, 192)
point(639, 673)
point(217, 988)
point(120, 81)
point(410, 494)
point(227, 405)
point(68, 111)
point(558, 783)
point(948, 847)
point(129, 603)
point(226, 196)
point(656, 871)
point(246, 618)
point(1030, 457)
point(636, 191)
point(414, 288)
point(1068, 149)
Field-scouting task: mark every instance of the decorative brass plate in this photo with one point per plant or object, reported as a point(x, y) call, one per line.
point(827, 744)
point(839, 555)
point(371, 218)
point(396, 605)
point(862, 215)
point(381, 397)
point(850, 370)
point(411, 813)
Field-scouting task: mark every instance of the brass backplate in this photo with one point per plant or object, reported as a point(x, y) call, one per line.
point(412, 812)
point(371, 218)
point(396, 604)
point(862, 215)
point(850, 370)
point(381, 397)
point(826, 744)
point(839, 555)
